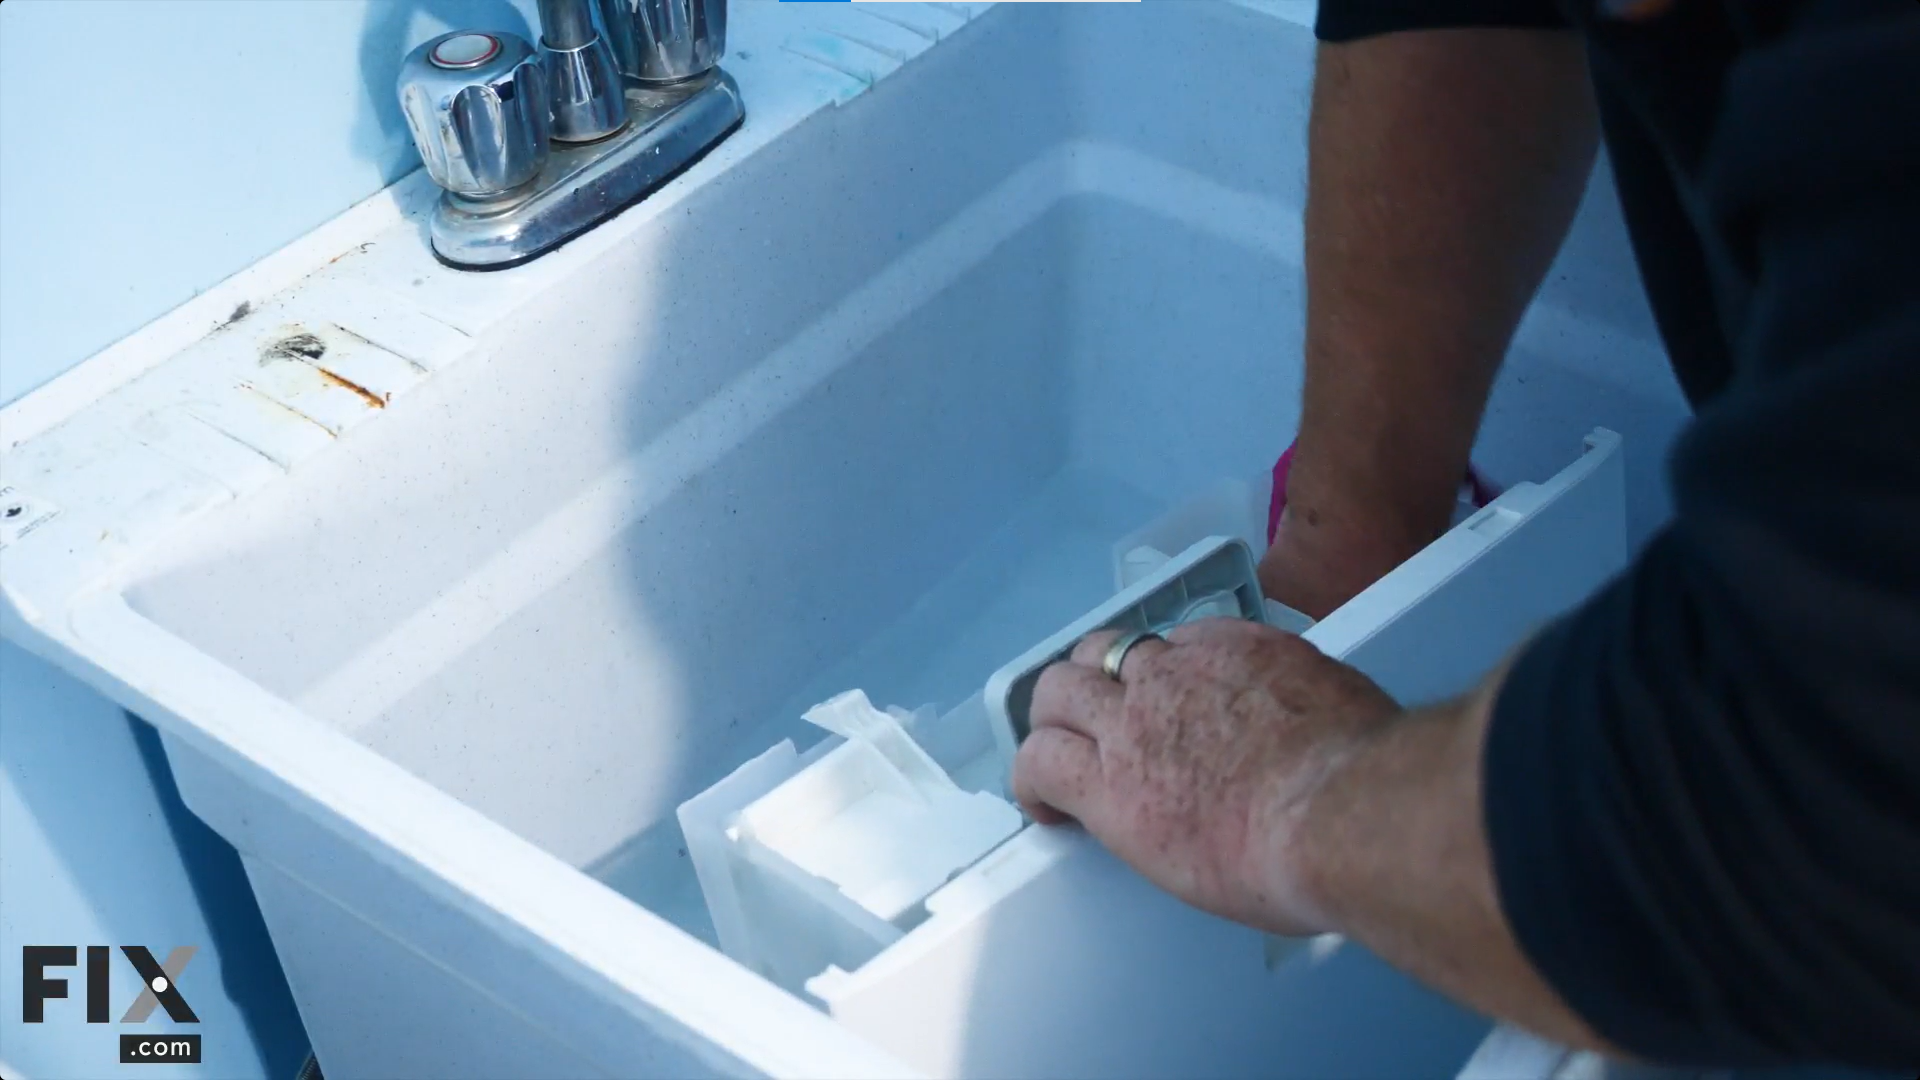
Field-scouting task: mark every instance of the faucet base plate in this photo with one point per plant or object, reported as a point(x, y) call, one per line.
point(584, 184)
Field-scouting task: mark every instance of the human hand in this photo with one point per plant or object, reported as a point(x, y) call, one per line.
point(1198, 765)
point(1314, 574)
point(1330, 541)
point(1301, 569)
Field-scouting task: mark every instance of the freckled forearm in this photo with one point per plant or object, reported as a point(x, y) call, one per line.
point(1392, 851)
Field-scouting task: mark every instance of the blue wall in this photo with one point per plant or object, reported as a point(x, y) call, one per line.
point(149, 149)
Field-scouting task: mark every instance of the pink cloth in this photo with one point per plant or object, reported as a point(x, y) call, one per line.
point(1482, 491)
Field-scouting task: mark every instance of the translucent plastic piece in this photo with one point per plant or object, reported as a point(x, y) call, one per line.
point(1212, 578)
point(1229, 508)
point(819, 862)
point(876, 816)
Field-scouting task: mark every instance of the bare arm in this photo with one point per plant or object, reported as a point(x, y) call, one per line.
point(1444, 168)
point(1393, 854)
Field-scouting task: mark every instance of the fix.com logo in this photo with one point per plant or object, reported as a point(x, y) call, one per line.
point(159, 989)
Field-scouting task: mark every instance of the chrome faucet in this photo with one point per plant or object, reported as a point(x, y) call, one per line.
point(535, 147)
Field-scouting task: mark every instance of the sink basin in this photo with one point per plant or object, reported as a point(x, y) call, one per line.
point(447, 589)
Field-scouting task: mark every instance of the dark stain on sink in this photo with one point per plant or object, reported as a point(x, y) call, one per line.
point(305, 347)
point(297, 346)
point(240, 311)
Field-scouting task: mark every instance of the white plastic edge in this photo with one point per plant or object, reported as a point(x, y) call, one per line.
point(1360, 618)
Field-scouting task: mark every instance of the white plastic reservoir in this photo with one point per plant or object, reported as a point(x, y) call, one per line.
point(454, 614)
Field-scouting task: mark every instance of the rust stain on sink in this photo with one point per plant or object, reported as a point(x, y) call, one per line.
point(369, 396)
point(298, 344)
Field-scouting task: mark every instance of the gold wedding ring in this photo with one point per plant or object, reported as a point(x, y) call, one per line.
point(1117, 652)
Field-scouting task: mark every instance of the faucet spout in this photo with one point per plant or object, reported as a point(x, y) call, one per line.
point(566, 24)
point(583, 77)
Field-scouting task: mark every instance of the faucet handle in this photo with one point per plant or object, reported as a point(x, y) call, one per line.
point(666, 41)
point(476, 102)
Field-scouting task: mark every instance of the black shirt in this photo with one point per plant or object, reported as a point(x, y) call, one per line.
point(1702, 788)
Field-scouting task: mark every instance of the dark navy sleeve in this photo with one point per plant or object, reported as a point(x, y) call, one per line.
point(1702, 788)
point(1350, 20)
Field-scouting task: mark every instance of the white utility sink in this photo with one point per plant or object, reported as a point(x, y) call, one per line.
point(446, 589)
